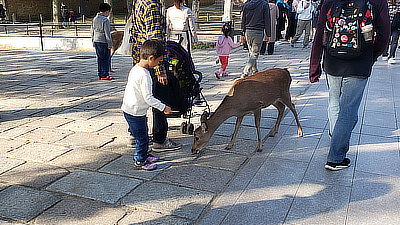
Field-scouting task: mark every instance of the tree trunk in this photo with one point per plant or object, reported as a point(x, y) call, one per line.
point(111, 16)
point(196, 11)
point(56, 11)
point(227, 17)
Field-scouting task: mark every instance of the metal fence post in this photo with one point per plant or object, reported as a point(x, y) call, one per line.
point(41, 32)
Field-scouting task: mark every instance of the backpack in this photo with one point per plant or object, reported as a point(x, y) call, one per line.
point(348, 28)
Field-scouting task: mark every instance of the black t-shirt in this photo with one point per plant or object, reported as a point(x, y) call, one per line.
point(359, 66)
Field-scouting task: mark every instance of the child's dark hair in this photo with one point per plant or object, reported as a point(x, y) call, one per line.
point(151, 47)
point(104, 7)
point(226, 29)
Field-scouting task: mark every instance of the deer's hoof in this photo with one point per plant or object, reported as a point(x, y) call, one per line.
point(195, 152)
point(228, 148)
point(259, 150)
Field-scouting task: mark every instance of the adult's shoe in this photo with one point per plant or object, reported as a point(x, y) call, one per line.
point(338, 166)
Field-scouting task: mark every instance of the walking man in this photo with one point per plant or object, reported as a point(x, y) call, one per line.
point(255, 20)
point(305, 12)
point(348, 61)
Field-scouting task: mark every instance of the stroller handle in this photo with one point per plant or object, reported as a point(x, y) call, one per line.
point(199, 74)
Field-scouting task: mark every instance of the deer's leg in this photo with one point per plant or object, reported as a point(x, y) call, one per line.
point(287, 101)
point(257, 119)
point(281, 109)
point(238, 122)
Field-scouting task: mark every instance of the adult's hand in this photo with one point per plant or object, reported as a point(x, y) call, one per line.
point(162, 79)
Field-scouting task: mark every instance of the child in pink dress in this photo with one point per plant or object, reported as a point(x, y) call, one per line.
point(223, 46)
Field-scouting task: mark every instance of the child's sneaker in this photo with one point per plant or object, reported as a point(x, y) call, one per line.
point(151, 158)
point(224, 74)
point(217, 74)
point(146, 165)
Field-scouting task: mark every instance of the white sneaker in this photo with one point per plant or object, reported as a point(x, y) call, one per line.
point(385, 58)
point(392, 61)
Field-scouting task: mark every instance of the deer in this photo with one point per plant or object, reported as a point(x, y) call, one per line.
point(249, 95)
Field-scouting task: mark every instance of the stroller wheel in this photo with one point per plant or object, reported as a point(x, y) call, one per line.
point(190, 129)
point(184, 127)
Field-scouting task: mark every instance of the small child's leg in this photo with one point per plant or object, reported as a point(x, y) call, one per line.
point(138, 127)
point(224, 64)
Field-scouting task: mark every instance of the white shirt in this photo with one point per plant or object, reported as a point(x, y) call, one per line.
point(305, 14)
point(181, 20)
point(138, 96)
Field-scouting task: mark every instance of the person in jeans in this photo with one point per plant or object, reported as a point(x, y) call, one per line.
point(394, 7)
point(101, 38)
point(305, 11)
point(346, 80)
point(255, 20)
point(148, 23)
point(138, 97)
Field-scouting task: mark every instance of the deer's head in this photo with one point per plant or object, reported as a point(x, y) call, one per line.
point(201, 134)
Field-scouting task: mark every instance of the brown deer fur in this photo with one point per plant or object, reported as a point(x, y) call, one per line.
point(250, 94)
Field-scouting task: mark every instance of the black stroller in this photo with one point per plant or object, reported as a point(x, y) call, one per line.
point(184, 81)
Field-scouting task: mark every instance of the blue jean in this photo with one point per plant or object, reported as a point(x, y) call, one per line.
point(254, 39)
point(345, 95)
point(103, 59)
point(139, 130)
point(394, 40)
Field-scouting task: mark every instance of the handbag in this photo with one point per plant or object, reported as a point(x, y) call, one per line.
point(126, 46)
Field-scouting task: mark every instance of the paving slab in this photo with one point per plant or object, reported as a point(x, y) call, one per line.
point(23, 203)
point(50, 122)
point(38, 152)
point(84, 159)
point(45, 135)
point(78, 114)
point(168, 199)
point(150, 218)
point(91, 185)
point(241, 146)
point(226, 161)
point(33, 174)
point(376, 194)
point(86, 125)
point(124, 166)
point(318, 203)
point(80, 211)
point(9, 163)
point(85, 140)
point(198, 177)
point(295, 148)
point(10, 144)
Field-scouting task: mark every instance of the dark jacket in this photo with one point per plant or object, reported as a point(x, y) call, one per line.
point(360, 66)
point(256, 16)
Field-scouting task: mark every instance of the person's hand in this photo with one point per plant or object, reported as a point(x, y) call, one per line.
point(109, 48)
point(196, 43)
point(162, 79)
point(268, 39)
point(242, 39)
point(167, 110)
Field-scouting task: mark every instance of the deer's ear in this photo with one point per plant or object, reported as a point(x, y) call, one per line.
point(204, 127)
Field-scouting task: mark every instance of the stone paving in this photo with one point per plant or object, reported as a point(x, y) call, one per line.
point(64, 157)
